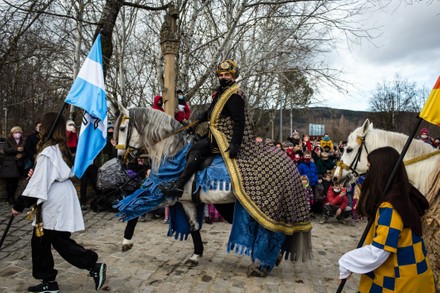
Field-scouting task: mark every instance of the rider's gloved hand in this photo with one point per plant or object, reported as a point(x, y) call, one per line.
point(233, 151)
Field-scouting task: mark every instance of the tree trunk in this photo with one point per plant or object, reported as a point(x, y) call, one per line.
point(105, 27)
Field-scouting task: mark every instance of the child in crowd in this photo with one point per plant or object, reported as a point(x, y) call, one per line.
point(289, 150)
point(327, 182)
point(309, 192)
point(337, 204)
point(320, 196)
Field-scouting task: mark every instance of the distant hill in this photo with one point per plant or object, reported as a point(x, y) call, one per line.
point(338, 123)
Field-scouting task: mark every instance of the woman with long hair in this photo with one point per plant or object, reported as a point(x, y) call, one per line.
point(393, 258)
point(58, 212)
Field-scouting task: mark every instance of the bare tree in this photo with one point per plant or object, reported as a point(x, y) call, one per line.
point(268, 38)
point(391, 99)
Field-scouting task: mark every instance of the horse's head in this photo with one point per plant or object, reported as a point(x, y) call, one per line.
point(145, 130)
point(353, 161)
point(126, 136)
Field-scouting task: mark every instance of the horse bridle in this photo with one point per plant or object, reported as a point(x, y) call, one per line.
point(352, 167)
point(127, 147)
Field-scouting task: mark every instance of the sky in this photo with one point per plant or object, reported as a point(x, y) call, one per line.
point(409, 45)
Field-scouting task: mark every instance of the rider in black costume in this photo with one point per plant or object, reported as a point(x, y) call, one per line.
point(227, 73)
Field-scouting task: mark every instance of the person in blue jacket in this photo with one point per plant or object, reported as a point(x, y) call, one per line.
point(307, 167)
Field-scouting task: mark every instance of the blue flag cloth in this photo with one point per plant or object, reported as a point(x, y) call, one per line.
point(88, 93)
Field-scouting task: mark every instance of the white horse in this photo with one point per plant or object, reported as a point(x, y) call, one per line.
point(422, 165)
point(156, 136)
point(151, 131)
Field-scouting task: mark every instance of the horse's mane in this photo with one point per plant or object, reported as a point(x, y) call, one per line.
point(153, 126)
point(377, 138)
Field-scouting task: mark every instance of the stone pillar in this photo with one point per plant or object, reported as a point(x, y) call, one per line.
point(169, 44)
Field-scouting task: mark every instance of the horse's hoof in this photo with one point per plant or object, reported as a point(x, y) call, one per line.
point(126, 247)
point(193, 260)
point(257, 272)
point(279, 259)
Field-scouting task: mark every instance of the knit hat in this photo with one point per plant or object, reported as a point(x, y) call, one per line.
point(16, 129)
point(424, 131)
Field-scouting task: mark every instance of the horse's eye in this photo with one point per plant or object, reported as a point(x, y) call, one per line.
point(349, 150)
point(122, 129)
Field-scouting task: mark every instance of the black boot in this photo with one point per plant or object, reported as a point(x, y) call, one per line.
point(175, 188)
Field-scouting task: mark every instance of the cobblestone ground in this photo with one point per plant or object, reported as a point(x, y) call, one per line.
point(156, 263)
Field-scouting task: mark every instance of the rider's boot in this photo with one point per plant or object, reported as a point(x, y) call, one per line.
point(175, 188)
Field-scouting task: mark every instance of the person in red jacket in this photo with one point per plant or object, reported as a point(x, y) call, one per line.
point(183, 110)
point(72, 136)
point(158, 103)
point(336, 205)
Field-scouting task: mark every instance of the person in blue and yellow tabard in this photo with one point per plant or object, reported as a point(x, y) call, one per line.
point(264, 179)
point(393, 258)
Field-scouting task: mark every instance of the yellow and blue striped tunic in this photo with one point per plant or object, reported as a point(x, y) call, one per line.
point(407, 269)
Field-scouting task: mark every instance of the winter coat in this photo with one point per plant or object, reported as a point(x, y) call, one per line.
point(183, 112)
point(14, 160)
point(155, 104)
point(334, 199)
point(324, 165)
point(310, 170)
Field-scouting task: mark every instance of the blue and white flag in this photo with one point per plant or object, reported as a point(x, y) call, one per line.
point(88, 93)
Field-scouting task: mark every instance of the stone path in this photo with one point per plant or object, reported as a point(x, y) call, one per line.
point(156, 263)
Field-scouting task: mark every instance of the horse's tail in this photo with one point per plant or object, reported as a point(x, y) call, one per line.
point(431, 223)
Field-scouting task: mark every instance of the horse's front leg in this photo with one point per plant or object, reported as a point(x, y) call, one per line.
point(191, 212)
point(198, 249)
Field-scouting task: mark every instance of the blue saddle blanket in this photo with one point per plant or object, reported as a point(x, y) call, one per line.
point(149, 197)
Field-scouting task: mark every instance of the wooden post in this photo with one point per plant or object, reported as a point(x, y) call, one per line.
point(169, 44)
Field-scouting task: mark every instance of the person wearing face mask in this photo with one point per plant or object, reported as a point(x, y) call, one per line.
point(256, 171)
point(183, 112)
point(233, 110)
point(307, 167)
point(324, 164)
point(14, 161)
point(158, 103)
point(336, 205)
point(424, 136)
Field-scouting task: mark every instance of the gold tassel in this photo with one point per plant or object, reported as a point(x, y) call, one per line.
point(30, 214)
point(39, 230)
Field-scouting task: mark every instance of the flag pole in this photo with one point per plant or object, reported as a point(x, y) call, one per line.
point(6, 230)
point(56, 121)
point(387, 187)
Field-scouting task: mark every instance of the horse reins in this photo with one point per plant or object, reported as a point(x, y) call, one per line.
point(421, 158)
point(129, 148)
point(178, 130)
